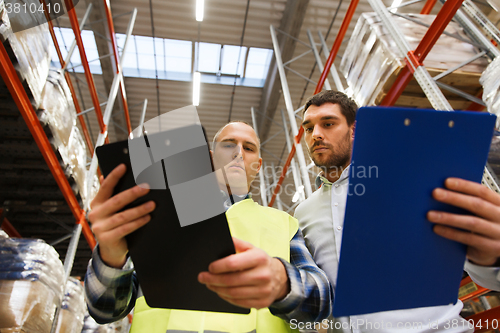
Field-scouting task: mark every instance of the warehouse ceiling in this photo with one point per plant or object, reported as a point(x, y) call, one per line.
point(226, 22)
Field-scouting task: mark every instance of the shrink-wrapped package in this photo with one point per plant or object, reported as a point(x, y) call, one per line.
point(491, 88)
point(72, 309)
point(57, 114)
point(57, 110)
point(31, 285)
point(3, 234)
point(96, 185)
point(29, 49)
point(74, 156)
point(372, 60)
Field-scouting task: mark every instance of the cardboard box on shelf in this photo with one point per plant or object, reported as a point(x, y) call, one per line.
point(26, 306)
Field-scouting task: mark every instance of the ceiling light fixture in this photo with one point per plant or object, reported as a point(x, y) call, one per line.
point(196, 88)
point(200, 9)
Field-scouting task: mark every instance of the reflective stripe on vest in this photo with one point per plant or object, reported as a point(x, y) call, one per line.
point(264, 227)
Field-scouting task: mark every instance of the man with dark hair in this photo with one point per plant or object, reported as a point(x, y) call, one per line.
point(348, 107)
point(328, 123)
point(272, 272)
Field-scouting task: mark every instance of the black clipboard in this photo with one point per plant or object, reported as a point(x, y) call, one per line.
point(166, 256)
point(390, 257)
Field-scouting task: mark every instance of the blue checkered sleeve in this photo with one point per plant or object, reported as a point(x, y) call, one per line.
point(110, 293)
point(311, 294)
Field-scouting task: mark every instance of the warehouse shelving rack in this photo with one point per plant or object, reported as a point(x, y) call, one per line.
point(414, 68)
point(23, 103)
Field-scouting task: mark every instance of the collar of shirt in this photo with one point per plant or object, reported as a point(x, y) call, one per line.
point(236, 198)
point(320, 179)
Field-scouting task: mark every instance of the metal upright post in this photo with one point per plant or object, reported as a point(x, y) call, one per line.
point(68, 265)
point(73, 44)
point(275, 182)
point(265, 181)
point(476, 34)
point(415, 58)
point(130, 28)
point(117, 81)
point(317, 57)
point(143, 116)
point(263, 192)
point(293, 165)
point(490, 179)
point(333, 70)
point(470, 8)
point(291, 114)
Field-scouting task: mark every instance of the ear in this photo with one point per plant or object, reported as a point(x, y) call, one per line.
point(258, 166)
point(353, 129)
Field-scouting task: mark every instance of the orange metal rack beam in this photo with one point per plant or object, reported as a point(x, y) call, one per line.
point(478, 290)
point(428, 7)
point(83, 55)
point(319, 86)
point(70, 84)
point(117, 62)
point(435, 30)
point(8, 228)
point(23, 103)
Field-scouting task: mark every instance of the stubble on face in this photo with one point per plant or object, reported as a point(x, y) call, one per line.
point(334, 160)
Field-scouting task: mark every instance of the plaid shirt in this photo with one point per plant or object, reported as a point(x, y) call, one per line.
point(111, 292)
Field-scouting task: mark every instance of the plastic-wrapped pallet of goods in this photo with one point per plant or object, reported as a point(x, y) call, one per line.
point(28, 49)
point(31, 285)
point(491, 85)
point(58, 116)
point(57, 111)
point(74, 156)
point(371, 62)
point(72, 309)
point(491, 97)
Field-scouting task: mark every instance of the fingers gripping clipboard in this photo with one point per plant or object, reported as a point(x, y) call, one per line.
point(168, 254)
point(390, 257)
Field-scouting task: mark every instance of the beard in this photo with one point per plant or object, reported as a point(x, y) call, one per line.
point(337, 158)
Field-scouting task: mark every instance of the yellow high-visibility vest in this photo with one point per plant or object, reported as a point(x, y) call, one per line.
point(263, 227)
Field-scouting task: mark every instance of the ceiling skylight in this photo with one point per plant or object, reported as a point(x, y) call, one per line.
point(209, 58)
point(231, 56)
point(258, 63)
point(65, 37)
point(173, 59)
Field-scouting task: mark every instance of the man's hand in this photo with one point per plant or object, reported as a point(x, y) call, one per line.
point(250, 278)
point(110, 227)
point(481, 231)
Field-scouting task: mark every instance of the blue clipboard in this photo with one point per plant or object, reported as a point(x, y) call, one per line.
point(390, 257)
